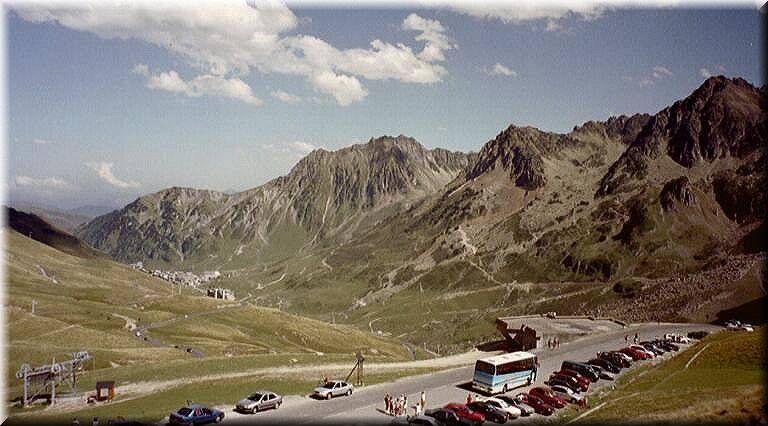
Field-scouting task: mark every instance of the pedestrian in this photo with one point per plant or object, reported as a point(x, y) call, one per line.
point(423, 401)
point(637, 338)
point(626, 339)
point(405, 404)
point(387, 407)
point(469, 398)
point(549, 343)
point(75, 422)
point(558, 343)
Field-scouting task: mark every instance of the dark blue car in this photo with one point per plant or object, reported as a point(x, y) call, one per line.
point(195, 414)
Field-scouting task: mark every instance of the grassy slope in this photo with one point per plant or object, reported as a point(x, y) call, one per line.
point(77, 314)
point(724, 383)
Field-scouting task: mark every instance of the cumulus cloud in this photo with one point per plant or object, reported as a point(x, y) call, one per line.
point(285, 97)
point(104, 171)
point(345, 89)
point(202, 85)
point(660, 72)
point(499, 69)
point(42, 183)
point(432, 33)
point(225, 40)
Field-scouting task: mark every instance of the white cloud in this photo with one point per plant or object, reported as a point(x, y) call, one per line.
point(40, 141)
point(285, 97)
point(42, 183)
point(706, 73)
point(104, 170)
point(202, 85)
point(656, 73)
point(499, 69)
point(293, 151)
point(526, 11)
point(433, 33)
point(225, 40)
point(660, 72)
point(345, 89)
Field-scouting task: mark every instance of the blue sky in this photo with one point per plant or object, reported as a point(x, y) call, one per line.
point(105, 106)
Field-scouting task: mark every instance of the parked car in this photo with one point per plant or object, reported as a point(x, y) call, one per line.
point(490, 411)
point(259, 401)
point(677, 338)
point(512, 411)
point(668, 344)
point(415, 421)
point(568, 394)
point(465, 413)
point(624, 356)
point(649, 353)
point(582, 368)
point(525, 409)
point(603, 374)
point(634, 353)
point(605, 364)
point(583, 381)
point(653, 347)
point(333, 388)
point(548, 396)
point(563, 380)
point(615, 358)
point(448, 417)
point(195, 414)
point(698, 335)
point(537, 403)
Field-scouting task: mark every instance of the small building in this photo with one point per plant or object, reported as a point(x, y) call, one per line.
point(221, 293)
point(105, 391)
point(519, 338)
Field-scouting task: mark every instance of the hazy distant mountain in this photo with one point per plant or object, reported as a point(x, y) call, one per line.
point(327, 195)
point(91, 211)
point(32, 226)
point(609, 211)
point(65, 220)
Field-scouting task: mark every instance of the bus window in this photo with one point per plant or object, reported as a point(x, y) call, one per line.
point(484, 367)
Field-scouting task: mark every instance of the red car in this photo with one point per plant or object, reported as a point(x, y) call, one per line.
point(569, 381)
point(464, 412)
point(538, 404)
point(548, 396)
point(575, 374)
point(634, 353)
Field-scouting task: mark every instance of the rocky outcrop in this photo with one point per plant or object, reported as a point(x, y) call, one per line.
point(722, 118)
point(677, 192)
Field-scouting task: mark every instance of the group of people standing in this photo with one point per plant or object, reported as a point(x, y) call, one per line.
point(636, 339)
point(399, 406)
point(553, 343)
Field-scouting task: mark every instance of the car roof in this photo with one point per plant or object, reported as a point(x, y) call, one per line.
point(514, 356)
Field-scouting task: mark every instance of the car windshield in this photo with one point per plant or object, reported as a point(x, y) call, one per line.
point(255, 397)
point(328, 385)
point(184, 412)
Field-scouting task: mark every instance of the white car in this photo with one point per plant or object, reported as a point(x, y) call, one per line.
point(512, 411)
point(567, 394)
point(333, 388)
point(677, 338)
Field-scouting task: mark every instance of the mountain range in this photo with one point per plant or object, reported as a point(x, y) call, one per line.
point(599, 220)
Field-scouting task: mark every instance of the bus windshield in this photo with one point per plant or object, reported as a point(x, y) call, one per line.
point(485, 367)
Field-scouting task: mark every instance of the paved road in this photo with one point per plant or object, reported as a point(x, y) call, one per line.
point(364, 405)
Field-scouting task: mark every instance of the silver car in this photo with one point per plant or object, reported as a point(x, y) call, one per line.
point(259, 401)
point(333, 388)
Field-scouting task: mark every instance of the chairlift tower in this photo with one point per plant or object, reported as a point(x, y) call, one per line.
point(38, 379)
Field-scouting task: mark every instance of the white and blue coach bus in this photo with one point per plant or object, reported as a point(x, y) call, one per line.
point(505, 372)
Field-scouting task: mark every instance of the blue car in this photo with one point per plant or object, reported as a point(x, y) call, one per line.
point(195, 414)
